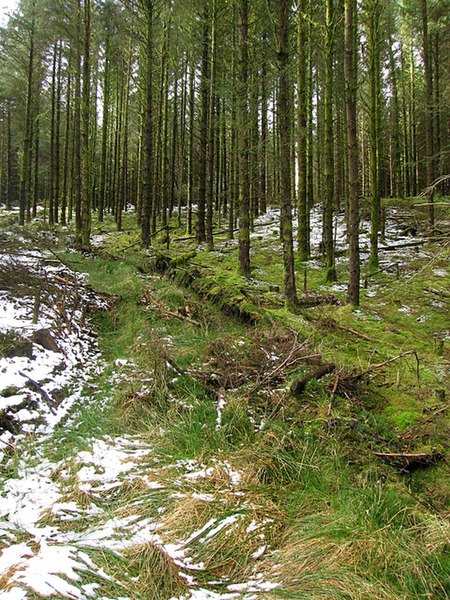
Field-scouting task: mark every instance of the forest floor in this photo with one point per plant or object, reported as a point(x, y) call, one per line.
point(152, 446)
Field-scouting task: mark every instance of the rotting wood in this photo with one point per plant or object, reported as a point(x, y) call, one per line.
point(299, 385)
point(407, 461)
point(230, 302)
point(311, 300)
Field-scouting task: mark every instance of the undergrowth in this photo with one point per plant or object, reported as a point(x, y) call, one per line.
point(294, 480)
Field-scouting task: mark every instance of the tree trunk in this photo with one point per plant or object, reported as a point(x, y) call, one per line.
point(429, 159)
point(204, 109)
point(302, 117)
point(328, 204)
point(85, 142)
point(243, 133)
point(211, 132)
point(284, 133)
point(191, 178)
point(147, 145)
point(105, 124)
point(374, 43)
point(350, 71)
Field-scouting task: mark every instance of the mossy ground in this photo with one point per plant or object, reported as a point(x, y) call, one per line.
point(337, 521)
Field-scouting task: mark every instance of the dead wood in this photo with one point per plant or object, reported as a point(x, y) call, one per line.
point(310, 300)
point(299, 385)
point(163, 313)
point(390, 360)
point(430, 189)
point(34, 385)
point(333, 394)
point(175, 315)
point(408, 462)
point(440, 293)
point(292, 359)
point(392, 248)
point(329, 323)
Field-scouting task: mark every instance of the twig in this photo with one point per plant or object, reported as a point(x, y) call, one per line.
point(8, 444)
point(419, 458)
point(390, 360)
point(434, 414)
point(173, 315)
point(288, 361)
point(41, 391)
point(63, 280)
point(440, 293)
point(333, 394)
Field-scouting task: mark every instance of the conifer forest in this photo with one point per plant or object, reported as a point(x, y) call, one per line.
point(224, 299)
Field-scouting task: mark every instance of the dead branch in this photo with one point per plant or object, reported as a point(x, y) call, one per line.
point(298, 386)
point(390, 360)
point(289, 361)
point(173, 315)
point(332, 324)
point(8, 444)
point(40, 391)
point(440, 293)
point(432, 187)
point(167, 313)
point(333, 394)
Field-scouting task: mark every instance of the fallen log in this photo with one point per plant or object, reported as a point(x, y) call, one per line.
point(299, 385)
point(407, 462)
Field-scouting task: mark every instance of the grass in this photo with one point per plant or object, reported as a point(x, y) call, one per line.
point(292, 475)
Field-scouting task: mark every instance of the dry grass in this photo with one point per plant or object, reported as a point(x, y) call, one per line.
point(157, 575)
point(188, 515)
point(314, 562)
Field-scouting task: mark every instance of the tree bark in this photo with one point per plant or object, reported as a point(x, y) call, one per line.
point(243, 133)
point(302, 119)
point(284, 133)
point(350, 71)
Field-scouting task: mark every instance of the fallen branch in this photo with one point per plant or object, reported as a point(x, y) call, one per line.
point(291, 359)
point(431, 203)
point(40, 391)
point(172, 315)
point(333, 394)
point(63, 280)
point(390, 360)
point(332, 324)
point(431, 417)
point(8, 444)
point(381, 270)
point(167, 313)
point(440, 293)
point(298, 385)
point(405, 245)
